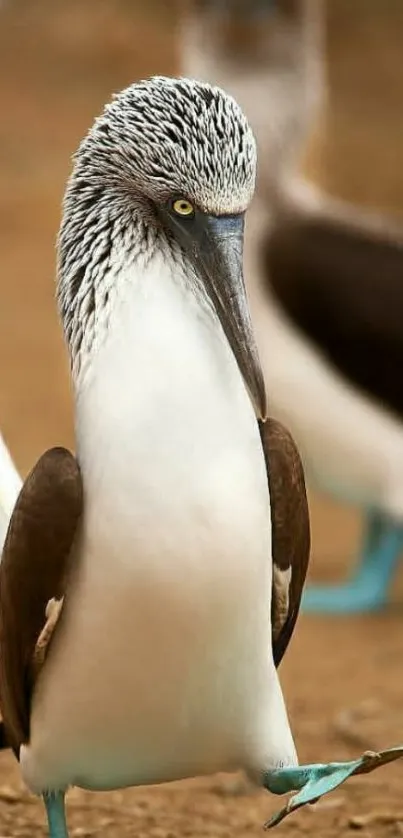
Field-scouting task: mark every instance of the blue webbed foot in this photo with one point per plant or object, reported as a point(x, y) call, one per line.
point(368, 589)
point(55, 810)
point(343, 599)
point(313, 781)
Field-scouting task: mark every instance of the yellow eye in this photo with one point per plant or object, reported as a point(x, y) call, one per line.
point(183, 207)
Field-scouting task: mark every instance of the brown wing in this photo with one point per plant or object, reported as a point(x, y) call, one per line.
point(290, 531)
point(32, 572)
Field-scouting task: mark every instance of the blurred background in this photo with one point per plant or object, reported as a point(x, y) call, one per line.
point(60, 61)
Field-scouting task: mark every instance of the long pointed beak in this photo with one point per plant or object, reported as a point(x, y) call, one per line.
point(220, 254)
point(215, 245)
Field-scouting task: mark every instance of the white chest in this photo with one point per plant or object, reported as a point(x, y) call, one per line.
point(167, 436)
point(163, 666)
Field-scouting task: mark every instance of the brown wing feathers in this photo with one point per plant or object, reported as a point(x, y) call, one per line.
point(32, 572)
point(290, 531)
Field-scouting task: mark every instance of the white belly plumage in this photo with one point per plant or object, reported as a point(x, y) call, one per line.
point(162, 666)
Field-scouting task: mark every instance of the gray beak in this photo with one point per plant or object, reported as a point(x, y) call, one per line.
point(215, 245)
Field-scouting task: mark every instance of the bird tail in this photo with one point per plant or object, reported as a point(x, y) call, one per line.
point(10, 485)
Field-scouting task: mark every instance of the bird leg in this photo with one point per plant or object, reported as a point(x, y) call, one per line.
point(313, 781)
point(367, 590)
point(55, 810)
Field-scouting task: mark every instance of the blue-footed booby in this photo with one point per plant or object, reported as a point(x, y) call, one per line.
point(149, 585)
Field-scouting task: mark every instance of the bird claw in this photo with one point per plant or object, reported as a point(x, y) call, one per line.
point(313, 781)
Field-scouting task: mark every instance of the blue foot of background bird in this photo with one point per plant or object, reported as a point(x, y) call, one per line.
point(55, 810)
point(313, 781)
point(369, 587)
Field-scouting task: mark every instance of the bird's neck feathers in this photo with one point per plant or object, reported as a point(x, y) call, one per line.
point(105, 243)
point(128, 297)
point(161, 376)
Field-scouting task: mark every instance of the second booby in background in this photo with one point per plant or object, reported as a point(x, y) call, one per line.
point(340, 286)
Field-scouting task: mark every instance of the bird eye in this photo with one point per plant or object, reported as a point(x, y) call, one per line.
point(183, 207)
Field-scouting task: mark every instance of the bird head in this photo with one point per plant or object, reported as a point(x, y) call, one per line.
point(170, 163)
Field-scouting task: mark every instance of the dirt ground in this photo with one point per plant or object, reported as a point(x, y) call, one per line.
point(59, 62)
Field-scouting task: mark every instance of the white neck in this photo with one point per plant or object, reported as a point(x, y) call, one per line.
point(162, 380)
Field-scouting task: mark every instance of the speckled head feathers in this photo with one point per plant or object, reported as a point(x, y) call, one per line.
point(167, 136)
point(157, 140)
